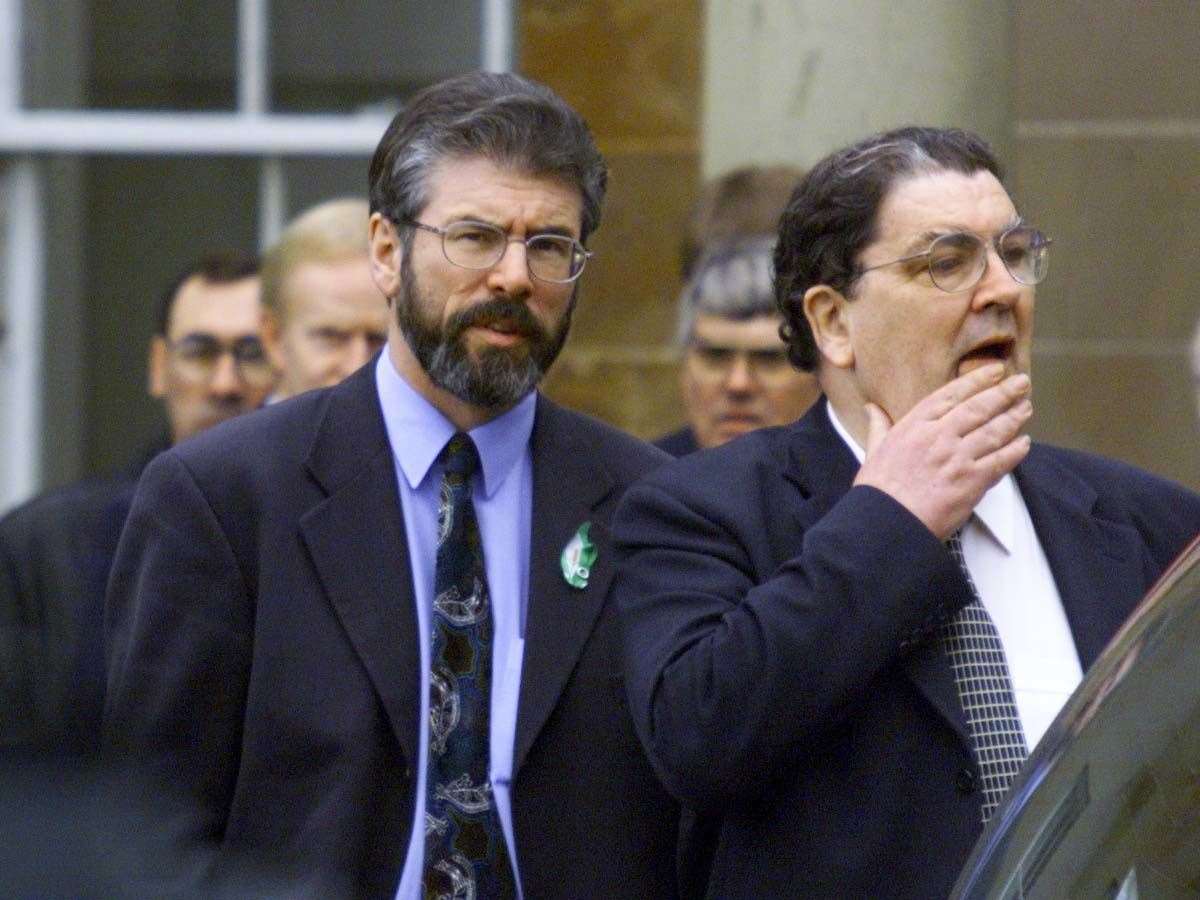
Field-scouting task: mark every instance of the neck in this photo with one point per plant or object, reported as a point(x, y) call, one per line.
point(463, 415)
point(849, 406)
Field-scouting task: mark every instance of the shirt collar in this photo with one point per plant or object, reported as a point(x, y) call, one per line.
point(418, 431)
point(996, 509)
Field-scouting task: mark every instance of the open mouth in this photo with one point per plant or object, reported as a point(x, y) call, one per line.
point(998, 349)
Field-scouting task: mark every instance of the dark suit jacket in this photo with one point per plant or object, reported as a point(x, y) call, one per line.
point(678, 443)
point(262, 656)
point(779, 657)
point(55, 555)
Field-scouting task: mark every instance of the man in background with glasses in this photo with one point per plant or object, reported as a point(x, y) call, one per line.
point(207, 359)
point(206, 365)
point(844, 636)
point(735, 375)
point(365, 634)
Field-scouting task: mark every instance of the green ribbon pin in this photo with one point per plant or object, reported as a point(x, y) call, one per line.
point(578, 557)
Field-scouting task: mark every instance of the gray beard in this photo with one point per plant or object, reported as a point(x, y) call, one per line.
point(499, 377)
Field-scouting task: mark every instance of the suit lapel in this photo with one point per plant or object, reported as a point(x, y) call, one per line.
point(1098, 565)
point(358, 547)
point(568, 484)
point(823, 468)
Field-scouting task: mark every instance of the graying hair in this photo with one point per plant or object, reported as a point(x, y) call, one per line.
point(501, 117)
point(733, 280)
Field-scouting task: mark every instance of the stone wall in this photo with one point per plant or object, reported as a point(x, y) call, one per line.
point(633, 70)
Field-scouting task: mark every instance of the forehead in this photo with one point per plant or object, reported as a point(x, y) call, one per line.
point(226, 309)
point(478, 188)
point(758, 333)
point(943, 201)
point(340, 293)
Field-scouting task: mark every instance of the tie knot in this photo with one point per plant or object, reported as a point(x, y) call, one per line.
point(460, 457)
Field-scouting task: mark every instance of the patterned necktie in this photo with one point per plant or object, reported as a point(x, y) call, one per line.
point(985, 691)
point(465, 853)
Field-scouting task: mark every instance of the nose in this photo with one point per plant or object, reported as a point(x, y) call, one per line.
point(225, 381)
point(510, 276)
point(996, 286)
point(740, 379)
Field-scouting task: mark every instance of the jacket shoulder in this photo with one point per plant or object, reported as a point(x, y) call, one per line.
point(625, 457)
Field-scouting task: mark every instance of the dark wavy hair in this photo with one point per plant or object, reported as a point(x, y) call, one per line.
point(501, 117)
point(832, 214)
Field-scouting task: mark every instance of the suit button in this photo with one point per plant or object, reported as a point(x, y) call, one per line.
point(965, 781)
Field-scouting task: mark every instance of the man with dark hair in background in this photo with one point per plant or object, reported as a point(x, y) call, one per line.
point(206, 364)
point(844, 635)
point(366, 634)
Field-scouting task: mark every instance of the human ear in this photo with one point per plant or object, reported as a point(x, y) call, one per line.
point(385, 250)
point(156, 367)
point(825, 309)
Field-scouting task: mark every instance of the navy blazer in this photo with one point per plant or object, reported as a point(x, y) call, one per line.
point(55, 555)
point(263, 659)
point(780, 660)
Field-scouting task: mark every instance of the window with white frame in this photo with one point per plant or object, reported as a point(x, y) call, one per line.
point(134, 136)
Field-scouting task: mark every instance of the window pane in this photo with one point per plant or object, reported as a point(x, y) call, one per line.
point(373, 52)
point(129, 54)
point(312, 181)
point(146, 219)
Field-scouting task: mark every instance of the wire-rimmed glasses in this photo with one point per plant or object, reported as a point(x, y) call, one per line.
point(555, 258)
point(958, 260)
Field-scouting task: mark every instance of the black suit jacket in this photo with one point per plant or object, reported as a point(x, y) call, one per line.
point(780, 660)
point(263, 657)
point(55, 555)
point(678, 443)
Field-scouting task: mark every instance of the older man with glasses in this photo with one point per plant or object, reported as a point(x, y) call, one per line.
point(206, 365)
point(844, 636)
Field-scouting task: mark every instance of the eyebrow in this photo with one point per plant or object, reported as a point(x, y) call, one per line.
point(925, 238)
point(560, 230)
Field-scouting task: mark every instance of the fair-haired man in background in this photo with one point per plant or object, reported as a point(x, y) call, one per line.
point(325, 316)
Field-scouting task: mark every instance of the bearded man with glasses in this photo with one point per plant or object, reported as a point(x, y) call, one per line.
point(367, 636)
point(843, 636)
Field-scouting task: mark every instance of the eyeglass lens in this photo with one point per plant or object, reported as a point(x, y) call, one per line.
point(551, 257)
point(201, 353)
point(717, 361)
point(957, 261)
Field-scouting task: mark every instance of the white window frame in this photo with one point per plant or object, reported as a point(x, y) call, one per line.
point(251, 130)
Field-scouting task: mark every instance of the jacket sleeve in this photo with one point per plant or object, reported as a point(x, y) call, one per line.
point(178, 630)
point(736, 663)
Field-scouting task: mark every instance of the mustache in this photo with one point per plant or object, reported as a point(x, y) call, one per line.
point(498, 309)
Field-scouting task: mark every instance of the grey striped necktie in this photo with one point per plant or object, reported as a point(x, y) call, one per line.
point(985, 690)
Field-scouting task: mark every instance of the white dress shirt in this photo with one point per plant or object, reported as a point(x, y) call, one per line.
point(1015, 584)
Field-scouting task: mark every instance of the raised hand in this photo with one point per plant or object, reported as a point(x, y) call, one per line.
point(941, 457)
